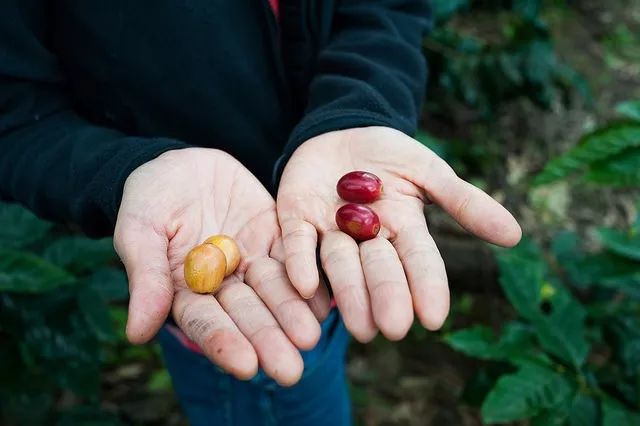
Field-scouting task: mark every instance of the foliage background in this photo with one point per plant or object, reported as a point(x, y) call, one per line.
point(513, 84)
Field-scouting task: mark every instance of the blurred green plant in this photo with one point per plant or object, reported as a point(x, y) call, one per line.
point(572, 356)
point(484, 53)
point(55, 321)
point(610, 155)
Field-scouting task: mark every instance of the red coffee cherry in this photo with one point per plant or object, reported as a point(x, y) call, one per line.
point(358, 221)
point(359, 187)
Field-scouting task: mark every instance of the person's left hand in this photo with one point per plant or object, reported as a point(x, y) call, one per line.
point(378, 283)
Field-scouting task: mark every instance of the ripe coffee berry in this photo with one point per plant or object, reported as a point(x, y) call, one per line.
point(358, 221)
point(359, 187)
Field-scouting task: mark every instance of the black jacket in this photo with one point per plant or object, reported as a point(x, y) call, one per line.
point(91, 89)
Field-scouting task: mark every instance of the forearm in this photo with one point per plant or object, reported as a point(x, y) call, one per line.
point(68, 170)
point(371, 72)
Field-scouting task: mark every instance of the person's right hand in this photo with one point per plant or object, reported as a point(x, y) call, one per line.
point(257, 318)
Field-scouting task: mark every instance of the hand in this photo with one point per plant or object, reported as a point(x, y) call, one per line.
point(378, 283)
point(172, 204)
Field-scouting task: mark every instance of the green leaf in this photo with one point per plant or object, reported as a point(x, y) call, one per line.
point(527, 8)
point(594, 147)
point(583, 411)
point(620, 170)
point(96, 311)
point(524, 394)
point(569, 254)
point(625, 337)
point(554, 417)
point(478, 341)
point(443, 10)
point(159, 381)
point(514, 345)
point(522, 272)
point(628, 284)
point(19, 227)
point(22, 272)
point(111, 283)
point(630, 109)
point(594, 269)
point(478, 386)
point(509, 66)
point(82, 378)
point(80, 254)
point(517, 345)
point(614, 414)
point(622, 243)
point(539, 60)
point(562, 331)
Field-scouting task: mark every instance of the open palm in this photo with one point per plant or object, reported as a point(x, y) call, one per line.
point(379, 283)
point(172, 204)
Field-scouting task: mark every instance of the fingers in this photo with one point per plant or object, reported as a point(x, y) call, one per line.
point(426, 274)
point(300, 239)
point(320, 303)
point(205, 322)
point(472, 208)
point(340, 257)
point(387, 285)
point(276, 354)
point(144, 254)
point(269, 279)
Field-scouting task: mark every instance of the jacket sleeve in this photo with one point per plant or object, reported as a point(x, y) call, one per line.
point(370, 72)
point(51, 159)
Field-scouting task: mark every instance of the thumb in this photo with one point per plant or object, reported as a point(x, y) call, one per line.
point(471, 207)
point(144, 253)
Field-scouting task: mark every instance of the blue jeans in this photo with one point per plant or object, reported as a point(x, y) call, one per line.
point(208, 396)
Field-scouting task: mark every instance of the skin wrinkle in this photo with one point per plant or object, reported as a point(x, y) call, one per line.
point(211, 324)
point(246, 308)
point(271, 328)
point(265, 279)
point(243, 308)
point(376, 149)
point(285, 310)
point(296, 233)
point(373, 257)
point(355, 291)
point(337, 253)
point(233, 184)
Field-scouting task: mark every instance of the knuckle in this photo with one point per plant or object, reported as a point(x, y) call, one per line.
point(375, 256)
point(338, 252)
point(287, 308)
point(463, 205)
point(198, 328)
point(264, 280)
point(238, 298)
point(268, 333)
point(214, 339)
point(385, 289)
point(153, 275)
point(296, 233)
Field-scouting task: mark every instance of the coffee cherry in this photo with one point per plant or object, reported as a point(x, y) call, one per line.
point(358, 221)
point(230, 250)
point(204, 268)
point(359, 187)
